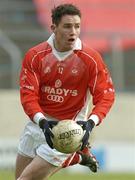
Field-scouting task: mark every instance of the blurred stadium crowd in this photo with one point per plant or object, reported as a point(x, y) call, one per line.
point(108, 26)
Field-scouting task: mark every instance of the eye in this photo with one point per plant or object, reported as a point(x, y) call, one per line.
point(77, 27)
point(67, 26)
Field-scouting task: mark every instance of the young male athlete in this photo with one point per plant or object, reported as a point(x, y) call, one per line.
point(57, 79)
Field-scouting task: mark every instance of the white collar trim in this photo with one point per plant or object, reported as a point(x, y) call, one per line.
point(77, 46)
point(62, 55)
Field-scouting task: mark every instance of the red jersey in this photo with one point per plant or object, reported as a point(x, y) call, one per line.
point(59, 88)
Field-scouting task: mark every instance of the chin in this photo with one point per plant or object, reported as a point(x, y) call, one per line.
point(71, 46)
point(68, 48)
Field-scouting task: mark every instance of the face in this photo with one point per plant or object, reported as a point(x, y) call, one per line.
point(66, 32)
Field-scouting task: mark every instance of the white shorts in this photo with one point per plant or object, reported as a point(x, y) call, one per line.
point(32, 143)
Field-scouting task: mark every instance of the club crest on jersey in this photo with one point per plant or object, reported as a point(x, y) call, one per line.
point(47, 70)
point(58, 83)
point(74, 72)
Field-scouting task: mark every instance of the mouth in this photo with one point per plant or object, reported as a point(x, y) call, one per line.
point(71, 40)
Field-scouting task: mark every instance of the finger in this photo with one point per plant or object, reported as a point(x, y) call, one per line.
point(83, 145)
point(81, 122)
point(48, 140)
point(50, 133)
point(85, 139)
point(52, 123)
point(48, 130)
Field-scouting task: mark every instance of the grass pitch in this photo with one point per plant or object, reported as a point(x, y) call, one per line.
point(8, 175)
point(98, 176)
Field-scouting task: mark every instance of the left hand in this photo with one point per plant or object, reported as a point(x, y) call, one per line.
point(46, 126)
point(87, 127)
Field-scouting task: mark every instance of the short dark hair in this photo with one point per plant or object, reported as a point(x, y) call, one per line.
point(64, 9)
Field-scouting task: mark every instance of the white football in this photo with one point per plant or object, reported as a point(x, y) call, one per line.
point(67, 136)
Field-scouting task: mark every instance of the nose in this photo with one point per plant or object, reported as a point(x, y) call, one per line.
point(73, 31)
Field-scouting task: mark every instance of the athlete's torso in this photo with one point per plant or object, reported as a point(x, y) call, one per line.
point(63, 84)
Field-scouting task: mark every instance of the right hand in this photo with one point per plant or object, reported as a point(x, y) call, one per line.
point(46, 126)
point(87, 127)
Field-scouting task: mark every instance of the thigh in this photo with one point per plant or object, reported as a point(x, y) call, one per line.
point(38, 169)
point(21, 163)
point(31, 138)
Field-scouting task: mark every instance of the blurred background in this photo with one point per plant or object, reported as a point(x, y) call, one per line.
point(107, 26)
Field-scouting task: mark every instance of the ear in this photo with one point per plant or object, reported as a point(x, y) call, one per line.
point(53, 28)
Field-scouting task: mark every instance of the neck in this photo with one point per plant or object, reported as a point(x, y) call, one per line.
point(59, 48)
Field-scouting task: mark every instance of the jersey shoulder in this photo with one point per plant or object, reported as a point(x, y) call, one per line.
point(42, 47)
point(91, 57)
point(35, 54)
point(38, 52)
point(91, 53)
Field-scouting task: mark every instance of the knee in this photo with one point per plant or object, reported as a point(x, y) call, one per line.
point(18, 179)
point(22, 178)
